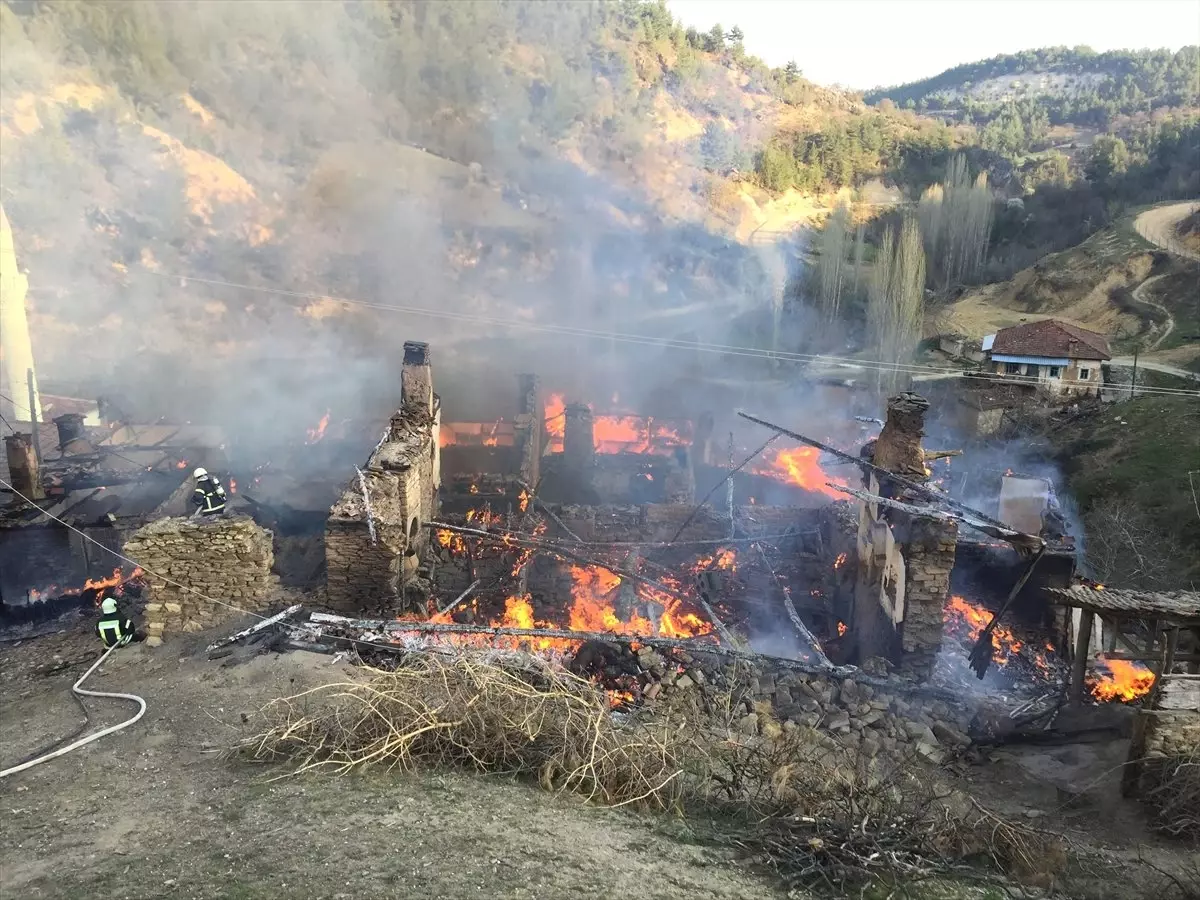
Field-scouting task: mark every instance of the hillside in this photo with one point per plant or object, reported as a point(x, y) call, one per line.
point(1127, 467)
point(1073, 85)
point(526, 160)
point(1116, 282)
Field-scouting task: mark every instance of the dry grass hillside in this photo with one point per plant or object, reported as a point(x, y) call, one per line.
point(1115, 283)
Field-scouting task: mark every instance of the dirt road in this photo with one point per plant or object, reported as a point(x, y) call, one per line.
point(1126, 362)
point(1158, 227)
point(155, 812)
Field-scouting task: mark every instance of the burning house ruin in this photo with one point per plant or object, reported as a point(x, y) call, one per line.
point(105, 481)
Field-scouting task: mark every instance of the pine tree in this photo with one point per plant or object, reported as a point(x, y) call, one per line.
point(791, 71)
point(735, 35)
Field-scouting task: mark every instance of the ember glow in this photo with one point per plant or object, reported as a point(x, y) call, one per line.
point(315, 434)
point(841, 626)
point(798, 466)
point(1120, 679)
point(182, 464)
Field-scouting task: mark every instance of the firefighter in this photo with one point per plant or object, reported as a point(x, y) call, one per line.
point(209, 496)
point(115, 629)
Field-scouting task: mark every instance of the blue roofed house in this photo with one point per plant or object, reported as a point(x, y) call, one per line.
point(1056, 357)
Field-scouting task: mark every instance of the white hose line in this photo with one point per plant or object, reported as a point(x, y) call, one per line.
point(104, 732)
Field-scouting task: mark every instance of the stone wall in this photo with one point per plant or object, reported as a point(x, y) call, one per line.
point(904, 559)
point(928, 547)
point(228, 559)
point(1164, 738)
point(376, 532)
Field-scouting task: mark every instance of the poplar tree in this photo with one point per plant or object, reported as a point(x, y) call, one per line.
point(956, 222)
point(831, 264)
point(896, 300)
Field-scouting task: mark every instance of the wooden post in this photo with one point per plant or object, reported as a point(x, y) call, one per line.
point(1166, 663)
point(1079, 663)
point(35, 414)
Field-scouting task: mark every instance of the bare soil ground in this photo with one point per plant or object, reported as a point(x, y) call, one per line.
point(156, 812)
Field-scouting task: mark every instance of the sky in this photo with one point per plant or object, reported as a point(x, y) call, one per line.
point(870, 43)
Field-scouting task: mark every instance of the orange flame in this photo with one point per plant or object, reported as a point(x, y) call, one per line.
point(1121, 680)
point(841, 628)
point(798, 466)
point(840, 561)
point(315, 434)
point(523, 500)
point(966, 621)
point(613, 434)
point(232, 485)
point(182, 464)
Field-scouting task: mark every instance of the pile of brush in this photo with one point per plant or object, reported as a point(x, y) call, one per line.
point(507, 713)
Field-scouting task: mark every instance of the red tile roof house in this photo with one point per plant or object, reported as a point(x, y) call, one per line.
point(1058, 358)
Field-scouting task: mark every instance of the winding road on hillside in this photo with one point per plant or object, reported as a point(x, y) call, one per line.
point(1158, 226)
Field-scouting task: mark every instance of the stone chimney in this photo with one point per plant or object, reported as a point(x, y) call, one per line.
point(23, 471)
point(416, 379)
point(579, 442)
point(16, 349)
point(898, 447)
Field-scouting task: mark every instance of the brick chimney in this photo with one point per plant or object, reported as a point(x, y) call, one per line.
point(416, 378)
point(24, 473)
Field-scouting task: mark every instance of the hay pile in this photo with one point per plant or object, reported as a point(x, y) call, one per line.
point(509, 714)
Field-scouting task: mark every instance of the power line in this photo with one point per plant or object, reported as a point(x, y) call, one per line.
point(648, 340)
point(132, 562)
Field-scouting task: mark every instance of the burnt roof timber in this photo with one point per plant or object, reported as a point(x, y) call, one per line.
point(924, 490)
point(1180, 608)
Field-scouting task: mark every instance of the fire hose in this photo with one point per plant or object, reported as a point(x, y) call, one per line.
point(104, 732)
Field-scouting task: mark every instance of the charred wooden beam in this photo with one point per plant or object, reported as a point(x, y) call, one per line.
point(254, 629)
point(797, 623)
point(453, 604)
point(840, 673)
point(926, 492)
point(510, 539)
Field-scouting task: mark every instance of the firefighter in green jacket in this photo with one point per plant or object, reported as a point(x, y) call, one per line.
point(114, 628)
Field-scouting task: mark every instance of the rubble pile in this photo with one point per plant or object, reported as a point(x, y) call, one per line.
point(228, 558)
point(873, 715)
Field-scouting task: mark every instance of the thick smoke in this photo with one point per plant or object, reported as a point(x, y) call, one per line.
point(469, 159)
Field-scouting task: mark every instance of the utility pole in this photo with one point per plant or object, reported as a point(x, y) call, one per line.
point(1133, 383)
point(35, 414)
point(729, 490)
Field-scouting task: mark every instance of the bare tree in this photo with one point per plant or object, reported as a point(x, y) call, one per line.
point(956, 222)
point(1126, 547)
point(896, 299)
point(831, 264)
